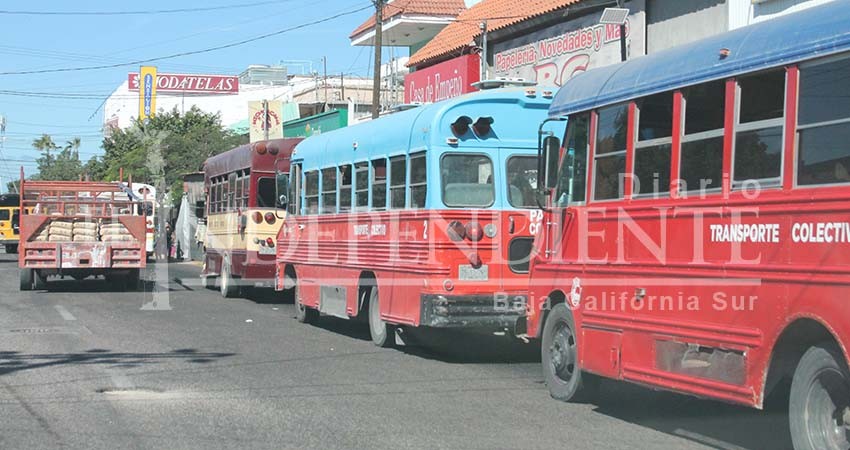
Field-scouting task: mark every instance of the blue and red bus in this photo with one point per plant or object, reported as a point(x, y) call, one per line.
point(242, 220)
point(698, 233)
point(425, 217)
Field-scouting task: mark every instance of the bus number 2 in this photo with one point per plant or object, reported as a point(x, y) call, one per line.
point(424, 230)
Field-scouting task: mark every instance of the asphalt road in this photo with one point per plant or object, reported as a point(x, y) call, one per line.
point(83, 367)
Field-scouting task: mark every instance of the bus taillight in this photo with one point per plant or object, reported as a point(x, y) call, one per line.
point(461, 126)
point(474, 231)
point(456, 231)
point(257, 217)
point(270, 242)
point(270, 219)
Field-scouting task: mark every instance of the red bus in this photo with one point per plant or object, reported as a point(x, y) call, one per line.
point(425, 217)
point(242, 220)
point(698, 229)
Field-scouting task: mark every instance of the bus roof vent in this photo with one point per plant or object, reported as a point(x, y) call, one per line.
point(502, 82)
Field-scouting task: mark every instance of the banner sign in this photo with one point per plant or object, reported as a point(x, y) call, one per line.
point(147, 92)
point(555, 54)
point(442, 81)
point(258, 125)
point(205, 84)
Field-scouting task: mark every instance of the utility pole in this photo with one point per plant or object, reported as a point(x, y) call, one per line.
point(483, 27)
point(325, 81)
point(342, 86)
point(266, 119)
point(376, 80)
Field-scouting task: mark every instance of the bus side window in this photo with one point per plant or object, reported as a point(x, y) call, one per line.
point(329, 190)
point(345, 188)
point(702, 144)
point(418, 180)
point(610, 156)
point(758, 133)
point(311, 192)
point(361, 179)
point(572, 184)
point(398, 175)
point(295, 190)
point(824, 123)
point(653, 149)
point(379, 184)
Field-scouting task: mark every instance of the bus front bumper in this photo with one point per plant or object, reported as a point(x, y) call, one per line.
point(471, 311)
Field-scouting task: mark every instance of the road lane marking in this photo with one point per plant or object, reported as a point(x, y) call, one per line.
point(119, 380)
point(64, 313)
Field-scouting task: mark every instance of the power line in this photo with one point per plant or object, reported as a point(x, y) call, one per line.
point(193, 52)
point(137, 13)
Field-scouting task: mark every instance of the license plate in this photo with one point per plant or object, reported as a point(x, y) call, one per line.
point(267, 250)
point(469, 273)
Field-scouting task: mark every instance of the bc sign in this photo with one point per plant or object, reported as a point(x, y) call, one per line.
point(147, 92)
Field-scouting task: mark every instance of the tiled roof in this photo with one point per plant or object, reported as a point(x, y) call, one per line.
point(497, 13)
point(416, 7)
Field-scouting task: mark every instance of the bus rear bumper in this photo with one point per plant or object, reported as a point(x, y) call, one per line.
point(468, 311)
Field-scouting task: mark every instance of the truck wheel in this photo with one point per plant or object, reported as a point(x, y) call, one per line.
point(227, 283)
point(303, 313)
point(39, 281)
point(383, 334)
point(133, 278)
point(11, 248)
point(26, 279)
point(819, 409)
point(559, 354)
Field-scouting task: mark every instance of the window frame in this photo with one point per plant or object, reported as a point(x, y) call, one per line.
point(798, 127)
point(342, 187)
point(411, 185)
point(442, 188)
point(588, 176)
point(685, 138)
point(391, 188)
point(508, 182)
point(592, 137)
point(375, 184)
point(308, 196)
point(639, 145)
point(738, 127)
point(360, 167)
point(323, 208)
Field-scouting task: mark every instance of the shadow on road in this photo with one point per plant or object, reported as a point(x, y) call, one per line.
point(12, 361)
point(707, 422)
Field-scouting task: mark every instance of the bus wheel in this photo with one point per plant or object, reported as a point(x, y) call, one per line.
point(26, 279)
point(383, 335)
point(303, 313)
point(559, 353)
point(227, 283)
point(819, 409)
point(11, 249)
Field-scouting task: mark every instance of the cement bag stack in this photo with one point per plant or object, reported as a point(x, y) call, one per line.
point(114, 232)
point(86, 231)
point(61, 230)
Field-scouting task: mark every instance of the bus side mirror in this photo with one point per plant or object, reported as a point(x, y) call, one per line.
point(551, 153)
point(282, 201)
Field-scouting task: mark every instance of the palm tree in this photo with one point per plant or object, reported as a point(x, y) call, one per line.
point(44, 144)
point(74, 146)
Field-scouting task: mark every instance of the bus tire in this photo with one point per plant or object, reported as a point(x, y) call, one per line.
point(819, 407)
point(559, 354)
point(383, 334)
point(39, 282)
point(26, 279)
point(303, 313)
point(227, 284)
point(11, 249)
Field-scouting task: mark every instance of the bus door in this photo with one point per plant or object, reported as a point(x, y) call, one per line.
point(521, 220)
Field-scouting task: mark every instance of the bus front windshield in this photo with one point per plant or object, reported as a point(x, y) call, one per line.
point(572, 174)
point(467, 181)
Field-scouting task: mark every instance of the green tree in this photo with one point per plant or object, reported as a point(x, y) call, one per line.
point(56, 164)
point(183, 141)
point(74, 146)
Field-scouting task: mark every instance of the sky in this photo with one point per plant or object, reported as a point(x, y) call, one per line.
point(39, 42)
